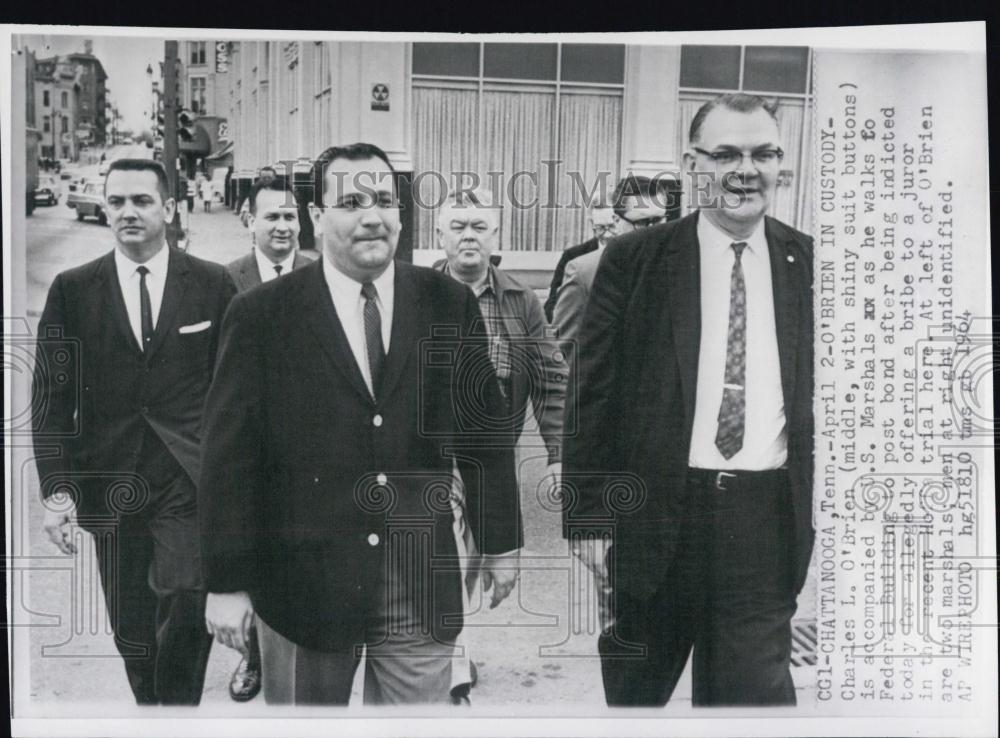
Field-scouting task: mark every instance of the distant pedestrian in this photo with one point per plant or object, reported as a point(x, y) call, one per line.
point(206, 192)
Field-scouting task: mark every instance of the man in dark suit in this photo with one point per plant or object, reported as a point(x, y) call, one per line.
point(694, 453)
point(325, 493)
point(273, 223)
point(118, 428)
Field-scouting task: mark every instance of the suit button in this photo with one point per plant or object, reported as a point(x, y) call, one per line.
point(373, 539)
point(377, 421)
point(381, 479)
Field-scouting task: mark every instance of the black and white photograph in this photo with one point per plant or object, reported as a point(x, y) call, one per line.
point(396, 383)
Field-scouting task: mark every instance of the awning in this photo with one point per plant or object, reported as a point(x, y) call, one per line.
point(224, 151)
point(200, 145)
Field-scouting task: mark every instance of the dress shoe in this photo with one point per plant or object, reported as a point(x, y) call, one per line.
point(245, 683)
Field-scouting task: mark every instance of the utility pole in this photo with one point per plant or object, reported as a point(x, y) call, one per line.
point(174, 231)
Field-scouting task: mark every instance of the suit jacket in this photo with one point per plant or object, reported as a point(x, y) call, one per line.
point(95, 391)
point(573, 252)
point(634, 395)
point(246, 274)
point(572, 301)
point(306, 479)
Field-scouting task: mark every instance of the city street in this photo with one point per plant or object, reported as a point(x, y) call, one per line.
point(538, 647)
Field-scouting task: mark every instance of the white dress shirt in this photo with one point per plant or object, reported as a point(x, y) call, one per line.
point(128, 281)
point(350, 306)
point(765, 443)
point(265, 267)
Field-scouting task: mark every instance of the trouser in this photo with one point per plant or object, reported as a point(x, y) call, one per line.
point(150, 573)
point(727, 595)
point(404, 664)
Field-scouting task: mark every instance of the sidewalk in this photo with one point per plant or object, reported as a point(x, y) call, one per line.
point(218, 235)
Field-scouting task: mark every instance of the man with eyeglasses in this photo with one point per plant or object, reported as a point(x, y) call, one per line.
point(637, 202)
point(695, 389)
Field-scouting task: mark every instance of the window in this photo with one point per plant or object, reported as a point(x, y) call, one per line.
point(65, 99)
point(45, 98)
point(501, 110)
point(781, 75)
point(323, 99)
point(64, 125)
point(196, 52)
point(198, 95)
point(46, 124)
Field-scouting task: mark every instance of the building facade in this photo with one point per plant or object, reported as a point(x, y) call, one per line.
point(546, 124)
point(92, 114)
point(56, 101)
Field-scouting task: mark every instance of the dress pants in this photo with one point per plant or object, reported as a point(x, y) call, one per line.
point(151, 575)
point(727, 594)
point(403, 662)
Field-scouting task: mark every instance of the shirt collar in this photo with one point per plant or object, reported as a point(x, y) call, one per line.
point(491, 281)
point(712, 238)
point(340, 283)
point(263, 263)
point(157, 265)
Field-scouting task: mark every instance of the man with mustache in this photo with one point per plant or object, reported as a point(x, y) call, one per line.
point(694, 391)
point(325, 497)
point(125, 355)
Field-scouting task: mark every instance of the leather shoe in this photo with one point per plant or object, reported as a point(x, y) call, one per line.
point(245, 683)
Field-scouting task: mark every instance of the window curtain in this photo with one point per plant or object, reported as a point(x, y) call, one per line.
point(590, 147)
point(517, 137)
point(444, 142)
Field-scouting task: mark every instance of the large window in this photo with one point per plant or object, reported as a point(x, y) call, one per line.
point(45, 98)
point(64, 99)
point(196, 52)
point(322, 84)
point(197, 96)
point(535, 121)
point(778, 73)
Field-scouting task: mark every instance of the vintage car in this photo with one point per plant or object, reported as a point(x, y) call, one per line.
point(48, 190)
point(88, 201)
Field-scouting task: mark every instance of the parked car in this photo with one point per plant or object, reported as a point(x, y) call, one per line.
point(88, 201)
point(48, 190)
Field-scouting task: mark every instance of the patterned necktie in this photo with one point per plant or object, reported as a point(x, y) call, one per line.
point(277, 269)
point(145, 309)
point(732, 412)
point(373, 334)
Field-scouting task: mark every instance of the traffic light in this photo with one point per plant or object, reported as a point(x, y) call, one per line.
point(185, 126)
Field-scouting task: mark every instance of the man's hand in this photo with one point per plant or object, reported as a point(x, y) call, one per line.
point(593, 553)
point(57, 523)
point(229, 616)
point(501, 572)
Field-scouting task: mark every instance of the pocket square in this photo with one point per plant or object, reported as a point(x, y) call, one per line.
point(195, 327)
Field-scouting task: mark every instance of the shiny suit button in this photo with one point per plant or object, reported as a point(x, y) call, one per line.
point(373, 539)
point(377, 421)
point(381, 479)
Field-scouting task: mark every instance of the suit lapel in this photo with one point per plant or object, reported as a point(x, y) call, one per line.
point(786, 307)
point(173, 296)
point(108, 273)
point(250, 272)
point(404, 329)
point(683, 277)
point(321, 317)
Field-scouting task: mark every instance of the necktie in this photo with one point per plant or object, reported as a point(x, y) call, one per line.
point(277, 269)
point(373, 334)
point(732, 412)
point(145, 309)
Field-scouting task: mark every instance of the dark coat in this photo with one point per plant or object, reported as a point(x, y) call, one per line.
point(295, 509)
point(95, 391)
point(630, 410)
point(246, 274)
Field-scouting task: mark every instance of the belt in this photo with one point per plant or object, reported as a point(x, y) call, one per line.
point(726, 480)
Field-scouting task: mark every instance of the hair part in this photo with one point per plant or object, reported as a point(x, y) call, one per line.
point(275, 184)
point(738, 102)
point(142, 165)
point(352, 152)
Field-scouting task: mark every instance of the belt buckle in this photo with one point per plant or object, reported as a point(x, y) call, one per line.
point(719, 479)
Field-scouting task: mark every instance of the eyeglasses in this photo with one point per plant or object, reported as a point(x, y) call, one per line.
point(644, 222)
point(600, 228)
point(735, 157)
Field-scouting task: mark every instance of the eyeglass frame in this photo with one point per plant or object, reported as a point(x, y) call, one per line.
point(643, 222)
point(714, 155)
